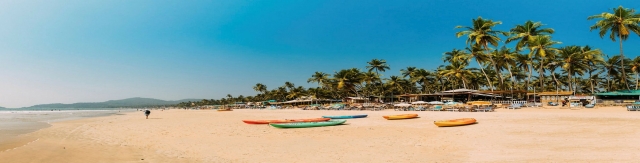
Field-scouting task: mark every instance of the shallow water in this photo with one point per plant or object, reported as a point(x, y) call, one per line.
point(16, 123)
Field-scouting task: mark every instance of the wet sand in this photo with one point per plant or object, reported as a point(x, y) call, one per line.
point(524, 135)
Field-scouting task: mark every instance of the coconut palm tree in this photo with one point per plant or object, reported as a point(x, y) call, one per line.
point(523, 33)
point(592, 59)
point(524, 62)
point(379, 65)
point(506, 59)
point(289, 85)
point(573, 62)
point(455, 55)
point(424, 78)
point(409, 72)
point(482, 33)
point(620, 24)
point(475, 52)
point(319, 77)
point(260, 88)
point(635, 67)
point(458, 70)
point(542, 47)
point(348, 79)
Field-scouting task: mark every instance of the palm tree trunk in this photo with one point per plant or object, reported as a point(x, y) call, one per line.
point(609, 80)
point(541, 75)
point(464, 84)
point(485, 75)
point(624, 75)
point(636, 80)
point(557, 83)
point(530, 67)
point(512, 80)
point(591, 79)
point(486, 48)
point(570, 84)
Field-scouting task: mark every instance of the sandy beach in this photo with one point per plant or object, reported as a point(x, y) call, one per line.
point(524, 135)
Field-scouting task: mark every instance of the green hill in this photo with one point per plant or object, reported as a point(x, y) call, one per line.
point(130, 102)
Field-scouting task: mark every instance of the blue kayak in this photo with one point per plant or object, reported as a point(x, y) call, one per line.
point(345, 116)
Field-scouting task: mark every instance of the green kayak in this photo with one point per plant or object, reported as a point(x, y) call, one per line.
point(307, 124)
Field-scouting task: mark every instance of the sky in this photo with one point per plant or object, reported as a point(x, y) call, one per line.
point(72, 51)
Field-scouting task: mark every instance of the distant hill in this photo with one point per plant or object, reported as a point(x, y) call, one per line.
point(130, 102)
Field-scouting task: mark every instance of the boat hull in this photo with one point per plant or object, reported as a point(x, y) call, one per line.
point(285, 121)
point(308, 124)
point(345, 116)
point(455, 122)
point(401, 116)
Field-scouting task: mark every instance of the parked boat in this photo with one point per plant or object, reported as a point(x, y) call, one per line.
point(455, 122)
point(308, 124)
point(285, 121)
point(401, 116)
point(344, 116)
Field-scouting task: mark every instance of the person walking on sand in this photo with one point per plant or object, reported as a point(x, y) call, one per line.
point(147, 112)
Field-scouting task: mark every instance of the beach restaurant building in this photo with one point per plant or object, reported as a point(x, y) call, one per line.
point(620, 97)
point(546, 97)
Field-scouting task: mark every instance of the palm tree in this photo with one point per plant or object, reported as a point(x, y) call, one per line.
point(229, 97)
point(506, 59)
point(455, 55)
point(475, 52)
point(619, 23)
point(319, 77)
point(289, 85)
point(260, 88)
point(379, 65)
point(592, 59)
point(541, 46)
point(573, 62)
point(409, 72)
point(524, 62)
point(424, 77)
point(525, 32)
point(635, 67)
point(612, 65)
point(481, 33)
point(458, 70)
point(348, 79)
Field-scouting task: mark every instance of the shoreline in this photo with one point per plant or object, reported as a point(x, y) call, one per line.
point(606, 134)
point(15, 124)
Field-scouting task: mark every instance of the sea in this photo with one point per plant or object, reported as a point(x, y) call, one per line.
point(16, 122)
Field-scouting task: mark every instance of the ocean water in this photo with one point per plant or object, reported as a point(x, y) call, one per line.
point(16, 123)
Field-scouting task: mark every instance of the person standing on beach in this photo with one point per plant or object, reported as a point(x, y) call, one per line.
point(147, 112)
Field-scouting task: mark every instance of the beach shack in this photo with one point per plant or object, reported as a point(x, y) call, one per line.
point(618, 98)
point(557, 97)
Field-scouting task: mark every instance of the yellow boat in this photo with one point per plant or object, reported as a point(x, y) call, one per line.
point(401, 116)
point(455, 122)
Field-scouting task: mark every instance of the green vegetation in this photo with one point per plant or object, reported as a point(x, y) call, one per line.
point(580, 68)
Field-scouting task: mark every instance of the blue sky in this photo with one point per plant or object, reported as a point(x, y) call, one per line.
point(91, 51)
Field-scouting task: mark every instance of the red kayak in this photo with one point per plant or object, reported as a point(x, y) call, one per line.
point(285, 121)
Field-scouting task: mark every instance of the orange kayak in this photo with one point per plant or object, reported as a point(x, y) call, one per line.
point(285, 121)
point(401, 116)
point(455, 122)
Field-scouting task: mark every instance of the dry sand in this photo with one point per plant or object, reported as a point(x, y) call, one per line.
point(524, 135)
